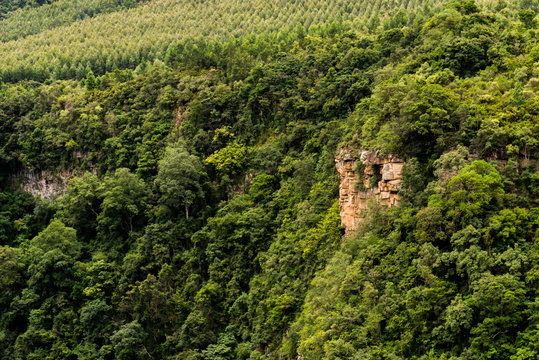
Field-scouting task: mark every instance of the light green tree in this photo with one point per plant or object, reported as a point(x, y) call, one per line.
point(178, 180)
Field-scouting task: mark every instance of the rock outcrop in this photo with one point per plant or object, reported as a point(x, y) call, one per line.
point(43, 183)
point(364, 179)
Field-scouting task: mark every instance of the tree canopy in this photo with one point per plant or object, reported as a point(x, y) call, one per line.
point(200, 217)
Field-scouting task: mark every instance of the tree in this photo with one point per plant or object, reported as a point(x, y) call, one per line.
point(178, 179)
point(527, 17)
point(91, 81)
point(229, 160)
point(477, 188)
point(499, 301)
point(80, 206)
point(56, 237)
point(93, 318)
point(262, 187)
point(52, 255)
point(11, 272)
point(128, 342)
point(124, 203)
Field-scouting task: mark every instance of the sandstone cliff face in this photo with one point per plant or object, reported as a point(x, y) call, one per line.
point(380, 181)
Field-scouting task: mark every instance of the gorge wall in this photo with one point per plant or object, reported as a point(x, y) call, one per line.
point(364, 179)
point(43, 183)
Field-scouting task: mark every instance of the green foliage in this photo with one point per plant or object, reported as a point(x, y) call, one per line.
point(178, 180)
point(80, 206)
point(52, 256)
point(123, 203)
point(7, 6)
point(148, 31)
point(477, 188)
point(528, 18)
point(128, 342)
point(262, 187)
point(51, 14)
point(11, 272)
point(229, 160)
point(56, 237)
point(202, 218)
point(93, 316)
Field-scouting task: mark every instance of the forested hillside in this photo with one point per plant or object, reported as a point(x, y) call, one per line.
point(62, 47)
point(202, 220)
point(31, 21)
point(7, 6)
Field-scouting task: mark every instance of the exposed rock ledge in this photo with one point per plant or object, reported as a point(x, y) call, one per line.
point(356, 190)
point(44, 183)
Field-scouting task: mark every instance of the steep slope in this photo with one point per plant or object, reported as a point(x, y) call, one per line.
point(207, 222)
point(29, 21)
point(7, 6)
point(121, 39)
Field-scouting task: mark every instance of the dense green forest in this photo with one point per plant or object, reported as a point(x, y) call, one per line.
point(62, 47)
point(7, 6)
point(203, 218)
point(60, 13)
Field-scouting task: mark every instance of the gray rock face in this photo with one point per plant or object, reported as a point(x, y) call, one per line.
point(43, 183)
